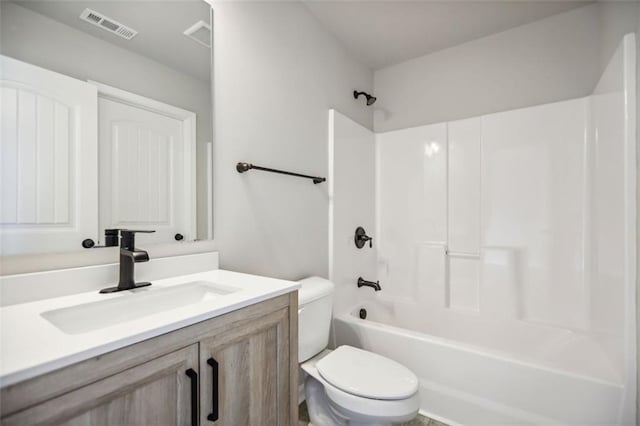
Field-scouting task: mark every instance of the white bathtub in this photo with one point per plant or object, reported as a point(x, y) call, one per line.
point(464, 384)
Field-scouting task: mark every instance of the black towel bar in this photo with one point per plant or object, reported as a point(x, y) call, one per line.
point(245, 167)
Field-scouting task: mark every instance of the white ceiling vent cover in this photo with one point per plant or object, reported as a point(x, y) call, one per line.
point(108, 24)
point(200, 32)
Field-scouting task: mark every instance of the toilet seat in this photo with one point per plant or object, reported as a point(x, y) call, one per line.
point(367, 375)
point(351, 405)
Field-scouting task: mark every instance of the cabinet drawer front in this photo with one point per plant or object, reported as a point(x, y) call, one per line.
point(156, 392)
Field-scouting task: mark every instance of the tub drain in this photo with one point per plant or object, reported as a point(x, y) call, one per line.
point(363, 313)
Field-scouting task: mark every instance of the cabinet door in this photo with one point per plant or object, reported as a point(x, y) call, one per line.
point(158, 392)
point(245, 374)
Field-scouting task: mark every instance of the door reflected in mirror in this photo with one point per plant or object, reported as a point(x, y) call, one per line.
point(106, 122)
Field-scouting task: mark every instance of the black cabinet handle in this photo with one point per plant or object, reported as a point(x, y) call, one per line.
point(178, 237)
point(214, 391)
point(194, 395)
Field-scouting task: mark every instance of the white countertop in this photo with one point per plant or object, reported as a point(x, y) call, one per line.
point(30, 345)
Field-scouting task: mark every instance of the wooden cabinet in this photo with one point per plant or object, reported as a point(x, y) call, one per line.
point(236, 369)
point(241, 374)
point(157, 392)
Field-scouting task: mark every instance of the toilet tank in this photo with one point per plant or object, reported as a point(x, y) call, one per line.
point(315, 300)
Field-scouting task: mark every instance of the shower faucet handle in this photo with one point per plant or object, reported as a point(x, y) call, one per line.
point(361, 238)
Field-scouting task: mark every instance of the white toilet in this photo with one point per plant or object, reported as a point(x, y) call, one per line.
point(347, 386)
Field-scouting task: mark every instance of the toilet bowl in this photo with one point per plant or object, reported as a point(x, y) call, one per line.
point(348, 386)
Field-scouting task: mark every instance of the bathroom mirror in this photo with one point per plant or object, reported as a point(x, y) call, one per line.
point(106, 122)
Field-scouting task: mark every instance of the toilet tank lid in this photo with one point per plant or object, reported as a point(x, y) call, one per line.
point(314, 288)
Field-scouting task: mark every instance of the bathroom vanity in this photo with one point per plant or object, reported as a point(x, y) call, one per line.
point(215, 347)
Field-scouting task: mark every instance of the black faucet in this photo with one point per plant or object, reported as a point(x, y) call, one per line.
point(129, 255)
point(364, 283)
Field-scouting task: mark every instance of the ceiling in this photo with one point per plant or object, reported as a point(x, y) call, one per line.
point(381, 33)
point(160, 26)
point(378, 33)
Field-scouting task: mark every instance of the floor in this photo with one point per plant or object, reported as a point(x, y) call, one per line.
point(418, 421)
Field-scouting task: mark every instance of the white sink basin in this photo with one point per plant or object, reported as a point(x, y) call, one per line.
point(132, 305)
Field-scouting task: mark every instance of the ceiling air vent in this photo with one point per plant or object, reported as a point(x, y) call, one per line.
point(107, 24)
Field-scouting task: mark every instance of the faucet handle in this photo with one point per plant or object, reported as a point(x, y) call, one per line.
point(111, 237)
point(361, 238)
point(128, 237)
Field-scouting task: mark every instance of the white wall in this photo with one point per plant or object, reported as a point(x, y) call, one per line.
point(606, 175)
point(624, 18)
point(616, 19)
point(638, 215)
point(553, 59)
point(556, 58)
point(411, 207)
point(483, 189)
point(277, 73)
point(352, 176)
point(550, 186)
point(42, 41)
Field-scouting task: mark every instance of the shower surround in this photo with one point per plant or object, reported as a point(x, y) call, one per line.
point(505, 248)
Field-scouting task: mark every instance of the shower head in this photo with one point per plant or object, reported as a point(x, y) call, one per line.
point(370, 99)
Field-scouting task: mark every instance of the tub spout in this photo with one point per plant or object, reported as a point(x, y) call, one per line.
point(364, 283)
